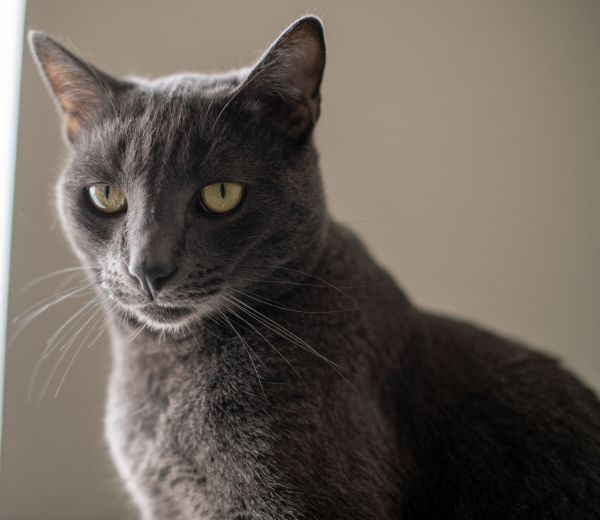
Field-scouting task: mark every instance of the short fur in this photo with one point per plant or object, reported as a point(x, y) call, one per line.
point(280, 373)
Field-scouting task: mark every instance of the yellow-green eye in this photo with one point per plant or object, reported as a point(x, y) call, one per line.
point(107, 198)
point(221, 197)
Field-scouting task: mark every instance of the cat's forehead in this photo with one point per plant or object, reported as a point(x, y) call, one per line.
point(168, 126)
point(175, 105)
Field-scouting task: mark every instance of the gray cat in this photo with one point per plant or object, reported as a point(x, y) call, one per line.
point(265, 366)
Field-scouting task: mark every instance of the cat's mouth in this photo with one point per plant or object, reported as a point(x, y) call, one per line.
point(166, 313)
point(165, 318)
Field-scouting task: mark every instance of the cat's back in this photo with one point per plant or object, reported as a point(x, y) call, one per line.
point(497, 430)
point(486, 427)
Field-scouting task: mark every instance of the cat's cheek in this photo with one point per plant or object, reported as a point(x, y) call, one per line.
point(92, 237)
point(229, 237)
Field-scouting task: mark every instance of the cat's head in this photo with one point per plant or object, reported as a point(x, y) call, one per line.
point(183, 189)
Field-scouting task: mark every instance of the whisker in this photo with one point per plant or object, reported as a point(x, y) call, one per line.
point(25, 317)
point(191, 335)
point(23, 320)
point(91, 315)
point(263, 337)
point(286, 333)
point(246, 346)
point(75, 319)
point(53, 274)
point(64, 376)
point(56, 337)
point(207, 329)
point(267, 301)
point(309, 275)
point(77, 278)
point(99, 335)
point(65, 350)
point(245, 328)
point(135, 334)
point(283, 282)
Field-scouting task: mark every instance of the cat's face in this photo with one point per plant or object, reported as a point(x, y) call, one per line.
point(181, 191)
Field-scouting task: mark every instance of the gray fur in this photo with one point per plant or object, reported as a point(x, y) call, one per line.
point(280, 373)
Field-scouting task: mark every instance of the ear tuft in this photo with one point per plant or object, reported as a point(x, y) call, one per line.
point(287, 78)
point(81, 91)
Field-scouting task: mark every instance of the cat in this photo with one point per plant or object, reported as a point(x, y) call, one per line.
point(265, 366)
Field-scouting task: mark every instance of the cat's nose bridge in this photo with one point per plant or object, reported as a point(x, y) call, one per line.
point(153, 256)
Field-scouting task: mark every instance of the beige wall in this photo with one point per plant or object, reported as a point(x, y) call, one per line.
point(460, 139)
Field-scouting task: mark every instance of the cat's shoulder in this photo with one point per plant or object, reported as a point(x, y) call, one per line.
point(490, 417)
point(478, 362)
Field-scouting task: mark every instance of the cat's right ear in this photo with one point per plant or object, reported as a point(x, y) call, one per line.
point(286, 82)
point(82, 92)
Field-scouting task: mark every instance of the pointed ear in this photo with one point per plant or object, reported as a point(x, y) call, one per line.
point(81, 91)
point(287, 79)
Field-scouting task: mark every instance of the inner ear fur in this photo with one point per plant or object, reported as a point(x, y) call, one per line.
point(82, 92)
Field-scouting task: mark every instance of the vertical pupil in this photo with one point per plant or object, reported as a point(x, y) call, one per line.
point(222, 190)
point(106, 191)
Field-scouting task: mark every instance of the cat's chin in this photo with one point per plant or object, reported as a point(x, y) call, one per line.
point(166, 318)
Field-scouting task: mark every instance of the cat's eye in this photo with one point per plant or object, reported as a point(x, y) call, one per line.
point(221, 197)
point(107, 198)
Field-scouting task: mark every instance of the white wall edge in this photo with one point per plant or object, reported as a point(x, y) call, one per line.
point(12, 24)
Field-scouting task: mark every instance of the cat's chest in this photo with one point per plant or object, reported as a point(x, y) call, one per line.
point(196, 428)
point(211, 429)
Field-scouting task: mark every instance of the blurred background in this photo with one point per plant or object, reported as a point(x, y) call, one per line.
point(460, 140)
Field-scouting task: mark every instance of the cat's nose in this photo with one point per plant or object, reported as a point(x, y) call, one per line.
point(152, 277)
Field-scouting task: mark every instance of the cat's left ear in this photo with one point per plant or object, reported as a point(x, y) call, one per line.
point(82, 92)
point(287, 79)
